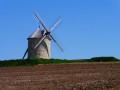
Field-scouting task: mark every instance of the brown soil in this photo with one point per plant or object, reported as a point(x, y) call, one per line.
point(79, 76)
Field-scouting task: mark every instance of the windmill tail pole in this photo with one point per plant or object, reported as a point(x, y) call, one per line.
point(25, 53)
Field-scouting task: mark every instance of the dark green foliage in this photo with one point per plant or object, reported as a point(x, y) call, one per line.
point(31, 62)
point(50, 61)
point(17, 62)
point(103, 59)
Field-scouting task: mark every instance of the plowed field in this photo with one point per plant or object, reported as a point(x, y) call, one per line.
point(77, 76)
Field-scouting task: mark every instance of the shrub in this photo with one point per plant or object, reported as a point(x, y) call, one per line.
point(103, 59)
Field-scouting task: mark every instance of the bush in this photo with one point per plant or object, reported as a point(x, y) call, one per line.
point(47, 61)
point(103, 59)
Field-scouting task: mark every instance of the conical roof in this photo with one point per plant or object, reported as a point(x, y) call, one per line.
point(36, 34)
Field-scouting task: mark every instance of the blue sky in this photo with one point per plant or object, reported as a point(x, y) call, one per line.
point(89, 28)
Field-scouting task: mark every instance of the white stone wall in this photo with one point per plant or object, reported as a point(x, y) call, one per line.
point(42, 51)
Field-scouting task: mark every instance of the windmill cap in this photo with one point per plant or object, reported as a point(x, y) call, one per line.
point(36, 34)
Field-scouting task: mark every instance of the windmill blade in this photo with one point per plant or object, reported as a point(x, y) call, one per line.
point(40, 22)
point(25, 53)
point(55, 24)
point(56, 42)
point(40, 41)
point(44, 32)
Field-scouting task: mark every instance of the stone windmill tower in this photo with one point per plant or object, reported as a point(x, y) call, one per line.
point(42, 50)
point(39, 42)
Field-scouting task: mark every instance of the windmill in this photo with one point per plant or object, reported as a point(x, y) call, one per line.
point(39, 41)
